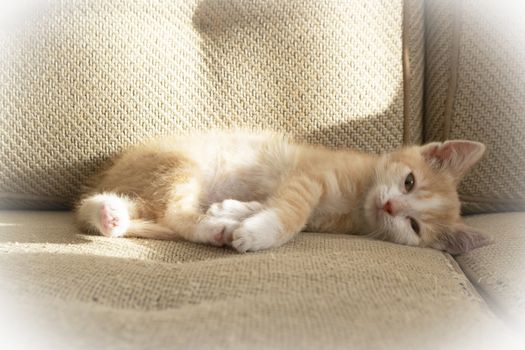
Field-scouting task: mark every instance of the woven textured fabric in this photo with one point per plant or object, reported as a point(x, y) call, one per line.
point(81, 80)
point(319, 291)
point(476, 90)
point(499, 269)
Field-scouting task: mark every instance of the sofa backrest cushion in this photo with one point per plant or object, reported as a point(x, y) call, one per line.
point(81, 80)
point(475, 89)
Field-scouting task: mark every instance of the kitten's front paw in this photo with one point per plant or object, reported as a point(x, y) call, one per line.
point(113, 219)
point(216, 231)
point(258, 232)
point(234, 209)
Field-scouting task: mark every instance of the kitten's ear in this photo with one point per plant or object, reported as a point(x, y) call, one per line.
point(462, 238)
point(457, 156)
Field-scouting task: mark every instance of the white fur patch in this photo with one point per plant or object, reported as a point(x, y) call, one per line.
point(388, 193)
point(233, 209)
point(257, 232)
point(188, 194)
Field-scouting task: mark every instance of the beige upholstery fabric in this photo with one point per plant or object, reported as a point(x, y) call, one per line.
point(80, 80)
point(476, 90)
point(499, 269)
point(319, 291)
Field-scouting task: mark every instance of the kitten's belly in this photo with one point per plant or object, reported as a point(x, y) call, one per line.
point(245, 186)
point(228, 189)
point(241, 168)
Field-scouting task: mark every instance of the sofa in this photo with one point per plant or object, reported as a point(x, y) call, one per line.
point(82, 80)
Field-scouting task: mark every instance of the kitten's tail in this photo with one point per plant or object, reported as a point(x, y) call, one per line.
point(149, 229)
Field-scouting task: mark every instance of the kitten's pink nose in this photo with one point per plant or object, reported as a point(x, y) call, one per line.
point(388, 208)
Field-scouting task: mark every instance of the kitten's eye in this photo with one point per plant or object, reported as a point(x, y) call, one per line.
point(409, 182)
point(414, 225)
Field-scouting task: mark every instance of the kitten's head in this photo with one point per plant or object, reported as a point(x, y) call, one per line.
point(414, 199)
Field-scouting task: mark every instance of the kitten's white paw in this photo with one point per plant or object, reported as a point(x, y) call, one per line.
point(234, 209)
point(258, 232)
point(113, 218)
point(216, 231)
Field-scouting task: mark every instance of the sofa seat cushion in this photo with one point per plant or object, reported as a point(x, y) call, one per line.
point(318, 291)
point(499, 269)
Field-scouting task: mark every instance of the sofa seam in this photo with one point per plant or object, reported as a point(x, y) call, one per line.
point(490, 301)
point(454, 68)
point(481, 295)
point(406, 71)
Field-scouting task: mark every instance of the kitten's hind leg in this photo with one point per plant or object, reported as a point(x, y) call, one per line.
point(200, 228)
point(107, 213)
point(114, 215)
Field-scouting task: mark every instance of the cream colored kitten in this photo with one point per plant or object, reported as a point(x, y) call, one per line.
point(257, 192)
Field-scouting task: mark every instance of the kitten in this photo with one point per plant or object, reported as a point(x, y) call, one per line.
point(255, 192)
